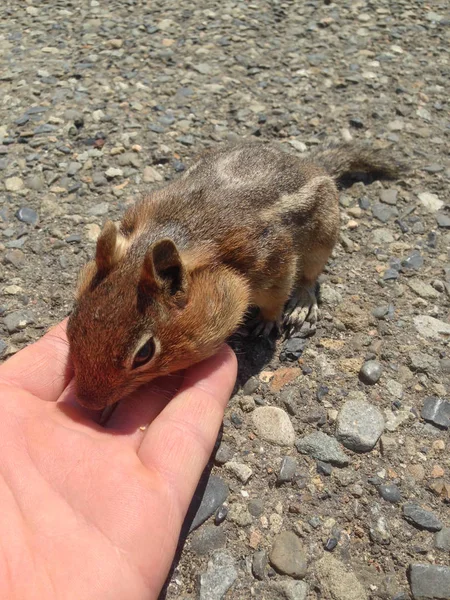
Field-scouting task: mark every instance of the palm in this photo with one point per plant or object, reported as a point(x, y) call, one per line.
point(92, 511)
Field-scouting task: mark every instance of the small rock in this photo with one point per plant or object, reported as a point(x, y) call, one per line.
point(289, 590)
point(219, 577)
point(113, 172)
point(413, 262)
point(421, 518)
point(292, 349)
point(92, 231)
point(390, 493)
point(27, 215)
point(436, 411)
point(215, 494)
point(359, 425)
point(256, 507)
point(371, 372)
point(16, 258)
point(389, 197)
point(442, 539)
point(322, 447)
point(337, 582)
point(273, 425)
point(443, 220)
point(430, 201)
point(424, 290)
point(239, 514)
point(388, 446)
point(287, 469)
point(429, 582)
point(73, 168)
point(242, 472)
point(13, 184)
point(287, 555)
point(221, 514)
point(224, 454)
point(383, 212)
point(3, 346)
point(151, 175)
point(99, 209)
point(431, 328)
point(259, 564)
point(424, 363)
point(17, 320)
point(207, 539)
point(247, 403)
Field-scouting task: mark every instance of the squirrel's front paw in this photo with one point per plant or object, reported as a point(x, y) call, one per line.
point(301, 308)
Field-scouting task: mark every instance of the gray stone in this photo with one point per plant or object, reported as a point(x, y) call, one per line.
point(207, 539)
point(16, 258)
point(242, 472)
point(256, 507)
point(219, 577)
point(287, 469)
point(383, 212)
point(259, 564)
point(436, 411)
point(424, 363)
point(390, 274)
point(443, 220)
point(422, 289)
point(382, 236)
point(287, 555)
point(442, 539)
point(13, 184)
point(3, 346)
point(215, 494)
point(224, 454)
point(429, 582)
point(289, 590)
point(390, 493)
point(421, 518)
point(371, 372)
point(27, 215)
point(389, 197)
point(322, 447)
point(273, 425)
point(151, 175)
point(337, 582)
point(99, 209)
point(430, 327)
point(17, 320)
point(359, 425)
point(35, 182)
point(413, 262)
point(73, 168)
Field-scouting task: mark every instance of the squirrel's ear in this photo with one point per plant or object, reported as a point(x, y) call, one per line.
point(163, 267)
point(106, 245)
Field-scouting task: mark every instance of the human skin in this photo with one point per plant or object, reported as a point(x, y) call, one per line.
point(90, 510)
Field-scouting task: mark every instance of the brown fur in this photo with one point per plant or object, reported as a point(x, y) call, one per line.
point(246, 225)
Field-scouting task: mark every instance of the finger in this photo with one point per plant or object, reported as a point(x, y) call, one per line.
point(43, 368)
point(180, 440)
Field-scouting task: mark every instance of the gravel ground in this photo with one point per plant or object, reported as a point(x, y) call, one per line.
point(332, 478)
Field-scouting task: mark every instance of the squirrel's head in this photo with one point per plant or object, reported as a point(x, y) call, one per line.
point(143, 310)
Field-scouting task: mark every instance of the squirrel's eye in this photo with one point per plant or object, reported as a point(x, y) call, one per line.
point(144, 354)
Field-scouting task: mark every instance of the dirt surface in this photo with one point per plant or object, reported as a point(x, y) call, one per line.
point(101, 102)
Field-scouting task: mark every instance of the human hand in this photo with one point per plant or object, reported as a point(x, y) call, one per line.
point(93, 511)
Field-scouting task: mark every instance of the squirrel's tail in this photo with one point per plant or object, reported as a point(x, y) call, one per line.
point(351, 162)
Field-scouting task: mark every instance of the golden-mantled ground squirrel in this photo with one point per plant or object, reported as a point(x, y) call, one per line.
point(247, 225)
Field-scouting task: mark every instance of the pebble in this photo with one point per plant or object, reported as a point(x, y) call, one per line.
point(430, 201)
point(413, 262)
point(442, 539)
point(389, 197)
point(359, 425)
point(390, 493)
point(259, 564)
point(224, 454)
point(421, 518)
point(287, 470)
point(151, 175)
point(207, 539)
point(384, 212)
point(292, 349)
point(337, 581)
point(13, 184)
point(242, 472)
point(221, 514)
point(27, 215)
point(422, 362)
point(17, 320)
point(3, 346)
point(422, 289)
point(443, 220)
point(432, 328)
point(371, 372)
point(287, 555)
point(219, 577)
point(322, 447)
point(288, 590)
point(113, 172)
point(214, 495)
point(92, 231)
point(436, 411)
point(238, 513)
point(256, 507)
point(273, 425)
point(429, 582)
point(98, 210)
